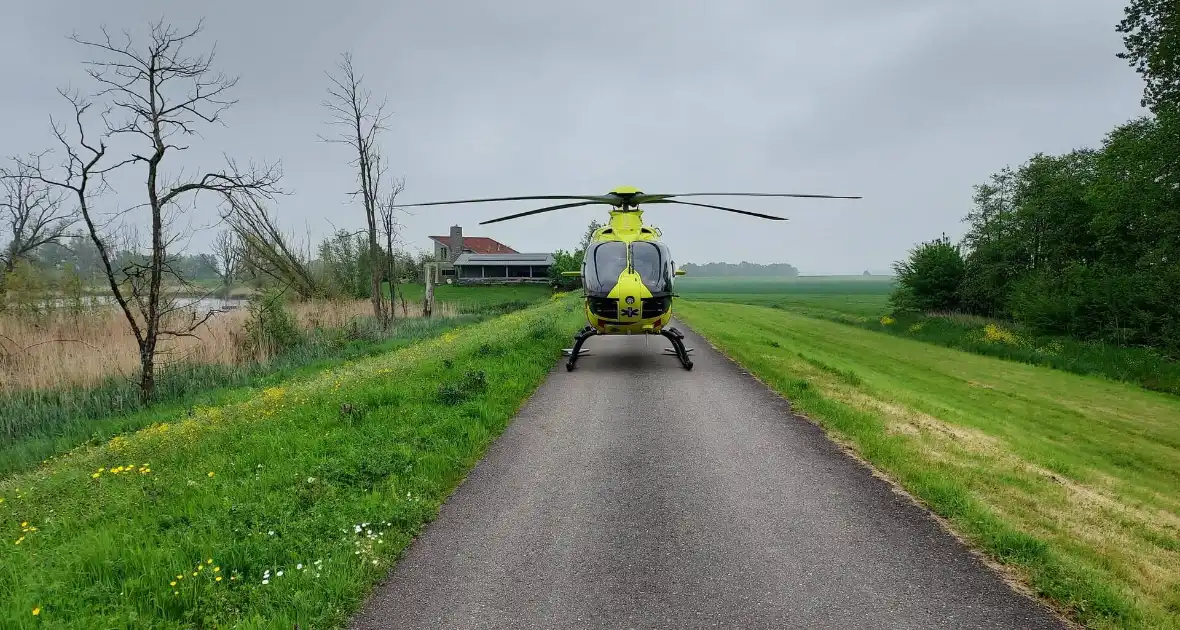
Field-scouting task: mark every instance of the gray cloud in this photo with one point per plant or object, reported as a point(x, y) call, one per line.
point(908, 103)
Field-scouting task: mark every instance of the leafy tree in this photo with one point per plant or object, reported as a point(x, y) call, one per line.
point(1151, 35)
point(930, 279)
point(571, 260)
point(742, 269)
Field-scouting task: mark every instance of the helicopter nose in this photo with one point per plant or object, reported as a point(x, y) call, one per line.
point(630, 307)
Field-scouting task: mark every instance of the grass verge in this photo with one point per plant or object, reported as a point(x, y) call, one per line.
point(299, 499)
point(865, 303)
point(41, 424)
point(1071, 482)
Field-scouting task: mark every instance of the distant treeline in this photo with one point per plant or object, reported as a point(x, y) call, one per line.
point(1086, 243)
point(747, 269)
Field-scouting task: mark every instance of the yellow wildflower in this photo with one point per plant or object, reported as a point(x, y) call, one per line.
point(94, 476)
point(172, 583)
point(210, 473)
point(36, 611)
point(218, 578)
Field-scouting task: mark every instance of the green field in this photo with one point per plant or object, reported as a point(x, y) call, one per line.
point(864, 302)
point(1073, 481)
point(830, 296)
point(277, 509)
point(478, 299)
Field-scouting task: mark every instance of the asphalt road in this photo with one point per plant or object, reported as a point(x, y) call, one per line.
point(631, 493)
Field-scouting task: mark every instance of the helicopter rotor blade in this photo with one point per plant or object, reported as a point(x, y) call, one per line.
point(540, 210)
point(639, 199)
point(588, 198)
point(706, 205)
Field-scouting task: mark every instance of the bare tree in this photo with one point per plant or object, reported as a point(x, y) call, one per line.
point(153, 94)
point(387, 207)
point(226, 254)
point(264, 249)
point(352, 109)
point(35, 213)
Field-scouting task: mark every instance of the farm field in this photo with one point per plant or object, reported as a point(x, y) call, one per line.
point(830, 296)
point(1072, 482)
point(477, 299)
point(276, 507)
point(864, 302)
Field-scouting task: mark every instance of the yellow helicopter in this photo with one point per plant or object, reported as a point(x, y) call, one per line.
point(627, 272)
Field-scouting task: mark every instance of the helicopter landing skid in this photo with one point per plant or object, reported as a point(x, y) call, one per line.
point(577, 350)
point(678, 349)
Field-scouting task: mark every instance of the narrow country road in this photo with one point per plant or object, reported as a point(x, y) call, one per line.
point(631, 493)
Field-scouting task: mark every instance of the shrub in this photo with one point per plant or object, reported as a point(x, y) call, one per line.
point(930, 279)
point(271, 329)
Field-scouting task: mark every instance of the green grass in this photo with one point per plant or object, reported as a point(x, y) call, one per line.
point(479, 299)
point(1072, 481)
point(36, 425)
point(864, 302)
point(266, 484)
point(831, 296)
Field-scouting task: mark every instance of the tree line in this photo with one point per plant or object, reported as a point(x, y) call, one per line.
point(747, 269)
point(1085, 243)
point(148, 102)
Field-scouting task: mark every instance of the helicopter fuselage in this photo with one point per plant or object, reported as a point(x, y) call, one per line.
point(627, 277)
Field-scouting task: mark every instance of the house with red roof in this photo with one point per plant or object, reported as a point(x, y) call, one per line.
point(481, 260)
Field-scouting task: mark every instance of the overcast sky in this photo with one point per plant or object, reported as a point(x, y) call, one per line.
point(908, 103)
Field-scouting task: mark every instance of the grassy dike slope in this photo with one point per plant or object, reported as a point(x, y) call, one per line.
point(280, 510)
point(1072, 482)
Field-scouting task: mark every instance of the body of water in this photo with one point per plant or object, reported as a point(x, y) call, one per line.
point(202, 305)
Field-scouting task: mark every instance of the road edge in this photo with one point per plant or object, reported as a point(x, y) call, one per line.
point(1007, 574)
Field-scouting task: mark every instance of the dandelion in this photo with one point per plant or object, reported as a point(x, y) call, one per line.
point(209, 561)
point(218, 578)
point(217, 569)
point(95, 475)
point(210, 473)
point(36, 611)
point(24, 524)
point(172, 583)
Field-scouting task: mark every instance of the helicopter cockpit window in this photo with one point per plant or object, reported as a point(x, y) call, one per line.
point(651, 262)
point(604, 263)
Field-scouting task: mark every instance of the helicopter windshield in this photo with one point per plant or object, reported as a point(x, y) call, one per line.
point(653, 264)
point(603, 264)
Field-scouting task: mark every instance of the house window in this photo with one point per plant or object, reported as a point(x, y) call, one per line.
point(444, 252)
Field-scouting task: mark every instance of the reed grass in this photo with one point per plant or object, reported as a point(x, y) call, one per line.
point(61, 349)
